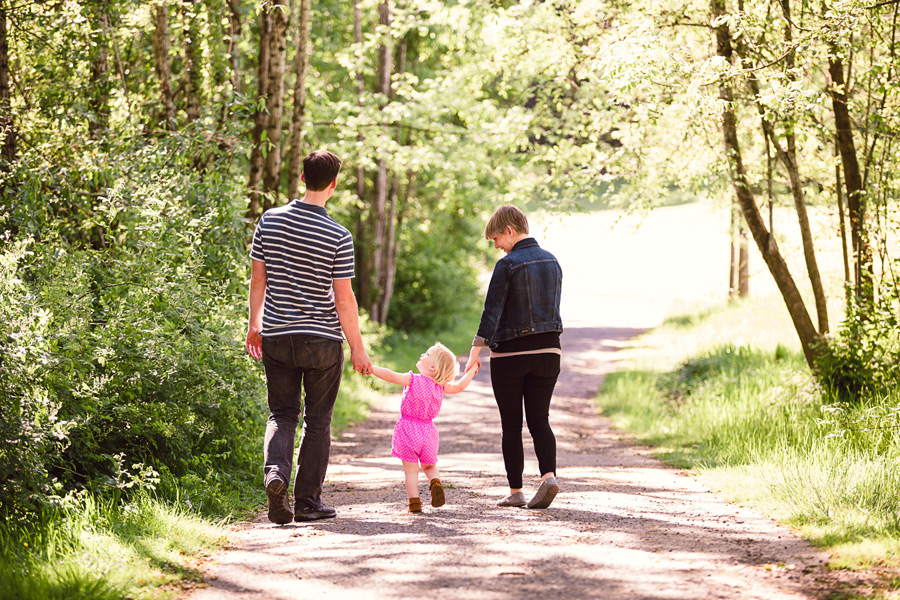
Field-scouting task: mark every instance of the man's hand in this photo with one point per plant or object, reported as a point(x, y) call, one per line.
point(361, 361)
point(254, 342)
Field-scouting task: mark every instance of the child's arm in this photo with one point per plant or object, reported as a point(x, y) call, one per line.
point(391, 376)
point(455, 388)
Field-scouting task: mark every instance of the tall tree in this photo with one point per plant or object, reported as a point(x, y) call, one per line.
point(7, 123)
point(234, 34)
point(191, 80)
point(765, 242)
point(856, 199)
point(162, 65)
point(280, 13)
point(301, 64)
point(380, 190)
point(259, 116)
point(364, 267)
point(100, 86)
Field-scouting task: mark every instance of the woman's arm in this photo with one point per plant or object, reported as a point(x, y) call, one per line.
point(494, 301)
point(391, 376)
point(455, 388)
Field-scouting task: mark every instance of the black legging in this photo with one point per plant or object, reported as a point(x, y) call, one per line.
point(526, 380)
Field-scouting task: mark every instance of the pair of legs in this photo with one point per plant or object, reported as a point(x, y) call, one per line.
point(525, 382)
point(295, 364)
point(411, 475)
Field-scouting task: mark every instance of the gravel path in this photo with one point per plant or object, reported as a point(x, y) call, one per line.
point(623, 525)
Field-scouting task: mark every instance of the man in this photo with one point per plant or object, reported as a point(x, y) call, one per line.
point(301, 301)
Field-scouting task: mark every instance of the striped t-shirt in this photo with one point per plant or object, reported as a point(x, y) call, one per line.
point(305, 250)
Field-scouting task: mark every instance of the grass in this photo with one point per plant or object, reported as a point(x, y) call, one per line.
point(717, 393)
point(144, 548)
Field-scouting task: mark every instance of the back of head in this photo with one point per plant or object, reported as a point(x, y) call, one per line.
point(445, 367)
point(319, 169)
point(506, 216)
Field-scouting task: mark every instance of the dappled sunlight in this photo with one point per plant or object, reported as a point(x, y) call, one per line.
point(623, 525)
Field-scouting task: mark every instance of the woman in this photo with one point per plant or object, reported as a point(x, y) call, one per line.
point(521, 324)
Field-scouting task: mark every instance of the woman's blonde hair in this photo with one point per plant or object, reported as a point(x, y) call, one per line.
point(505, 216)
point(445, 366)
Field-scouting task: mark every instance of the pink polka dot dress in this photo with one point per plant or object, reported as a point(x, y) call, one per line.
point(415, 436)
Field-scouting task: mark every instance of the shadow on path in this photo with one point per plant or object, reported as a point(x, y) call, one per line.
point(623, 526)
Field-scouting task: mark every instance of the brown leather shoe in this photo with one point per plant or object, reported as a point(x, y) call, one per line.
point(437, 492)
point(415, 505)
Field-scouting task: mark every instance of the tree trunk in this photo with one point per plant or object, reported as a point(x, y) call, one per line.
point(234, 34)
point(380, 192)
point(301, 63)
point(191, 79)
point(389, 269)
point(838, 185)
point(162, 65)
point(764, 241)
point(7, 124)
point(856, 201)
point(259, 118)
point(363, 260)
point(280, 13)
point(743, 264)
point(100, 82)
point(788, 158)
point(732, 250)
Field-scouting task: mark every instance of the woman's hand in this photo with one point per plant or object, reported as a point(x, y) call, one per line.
point(474, 358)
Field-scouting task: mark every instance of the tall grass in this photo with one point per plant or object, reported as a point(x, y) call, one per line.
point(756, 426)
point(103, 549)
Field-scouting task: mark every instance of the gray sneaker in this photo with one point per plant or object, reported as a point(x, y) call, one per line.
point(517, 499)
point(545, 494)
point(276, 495)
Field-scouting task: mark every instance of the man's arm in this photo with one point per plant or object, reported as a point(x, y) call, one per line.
point(257, 300)
point(348, 314)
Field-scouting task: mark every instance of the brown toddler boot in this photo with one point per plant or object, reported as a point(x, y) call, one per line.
point(437, 492)
point(415, 505)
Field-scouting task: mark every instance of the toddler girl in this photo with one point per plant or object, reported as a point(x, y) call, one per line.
point(415, 438)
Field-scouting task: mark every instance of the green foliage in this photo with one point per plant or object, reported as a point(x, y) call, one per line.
point(437, 278)
point(862, 358)
point(128, 352)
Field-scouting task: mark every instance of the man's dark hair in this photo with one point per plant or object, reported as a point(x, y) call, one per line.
point(319, 169)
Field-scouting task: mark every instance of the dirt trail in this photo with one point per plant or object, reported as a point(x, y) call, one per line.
point(623, 525)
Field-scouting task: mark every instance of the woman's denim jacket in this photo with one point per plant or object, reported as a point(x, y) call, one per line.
point(523, 296)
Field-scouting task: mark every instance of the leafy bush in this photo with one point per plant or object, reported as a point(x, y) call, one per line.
point(125, 356)
point(437, 277)
point(862, 358)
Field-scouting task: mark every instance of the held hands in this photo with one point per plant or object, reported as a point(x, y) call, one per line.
point(474, 358)
point(361, 361)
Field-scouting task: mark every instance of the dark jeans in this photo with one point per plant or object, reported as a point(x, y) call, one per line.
point(526, 380)
point(316, 364)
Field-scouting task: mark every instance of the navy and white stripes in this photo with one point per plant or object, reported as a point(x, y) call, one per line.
point(304, 250)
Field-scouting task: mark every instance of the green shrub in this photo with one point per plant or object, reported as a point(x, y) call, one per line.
point(122, 357)
point(862, 358)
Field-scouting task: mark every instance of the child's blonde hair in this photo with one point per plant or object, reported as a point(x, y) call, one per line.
point(445, 367)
